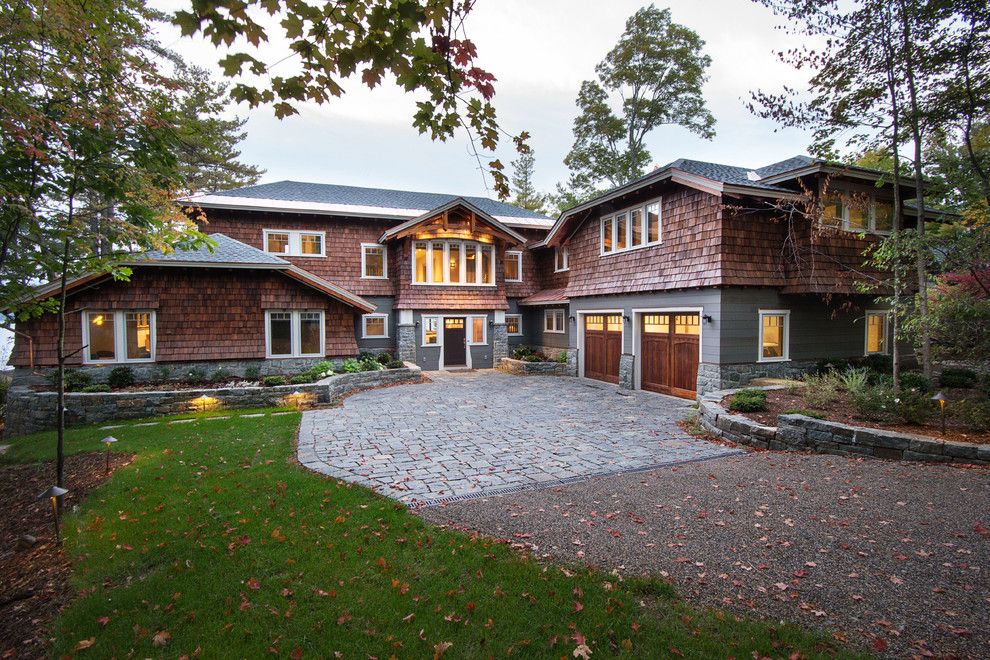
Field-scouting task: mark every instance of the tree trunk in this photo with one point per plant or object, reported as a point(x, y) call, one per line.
point(60, 383)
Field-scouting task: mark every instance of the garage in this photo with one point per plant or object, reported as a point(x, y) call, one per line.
point(670, 345)
point(602, 346)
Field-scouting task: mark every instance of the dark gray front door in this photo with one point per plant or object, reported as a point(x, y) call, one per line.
point(454, 344)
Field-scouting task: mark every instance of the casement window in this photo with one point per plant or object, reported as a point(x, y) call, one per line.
point(513, 324)
point(513, 266)
point(560, 259)
point(374, 261)
point(554, 320)
point(478, 330)
point(630, 229)
point(374, 326)
point(431, 326)
point(124, 336)
point(861, 213)
point(291, 243)
point(294, 333)
point(774, 335)
point(454, 263)
point(876, 331)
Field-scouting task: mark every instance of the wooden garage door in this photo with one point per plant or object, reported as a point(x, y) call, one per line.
point(670, 351)
point(602, 346)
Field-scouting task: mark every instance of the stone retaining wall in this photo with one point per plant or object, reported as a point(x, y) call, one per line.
point(801, 433)
point(29, 411)
point(523, 368)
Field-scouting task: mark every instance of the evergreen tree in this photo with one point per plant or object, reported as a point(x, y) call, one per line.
point(524, 190)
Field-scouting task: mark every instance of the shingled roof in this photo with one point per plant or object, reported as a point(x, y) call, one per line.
point(226, 251)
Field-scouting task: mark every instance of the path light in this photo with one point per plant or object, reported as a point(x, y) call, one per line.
point(941, 406)
point(109, 440)
point(205, 403)
point(53, 494)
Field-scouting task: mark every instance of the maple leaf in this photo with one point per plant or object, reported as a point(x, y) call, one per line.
point(296, 654)
point(84, 644)
point(441, 648)
point(578, 606)
point(582, 651)
point(161, 638)
point(253, 583)
point(103, 620)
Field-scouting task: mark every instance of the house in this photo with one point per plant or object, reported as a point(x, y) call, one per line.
point(693, 277)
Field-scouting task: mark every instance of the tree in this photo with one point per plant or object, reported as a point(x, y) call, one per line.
point(654, 74)
point(524, 190)
point(958, 161)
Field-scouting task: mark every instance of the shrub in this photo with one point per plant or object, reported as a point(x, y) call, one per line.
point(371, 364)
point(384, 358)
point(253, 372)
point(92, 389)
point(221, 375)
point(301, 379)
point(914, 380)
point(562, 357)
point(957, 377)
point(195, 376)
point(272, 381)
point(807, 413)
point(972, 413)
point(161, 374)
point(874, 403)
point(832, 364)
point(748, 400)
point(120, 377)
point(396, 364)
point(822, 389)
point(321, 369)
point(878, 362)
point(351, 366)
point(75, 380)
point(914, 407)
point(532, 357)
point(855, 380)
point(521, 352)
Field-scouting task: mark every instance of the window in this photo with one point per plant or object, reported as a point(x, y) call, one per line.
point(774, 339)
point(560, 259)
point(860, 213)
point(374, 326)
point(832, 211)
point(430, 326)
point(374, 261)
point(453, 263)
point(513, 324)
point(478, 333)
point(294, 333)
point(513, 266)
point(883, 216)
point(119, 336)
point(876, 332)
point(554, 321)
point(632, 228)
point(295, 243)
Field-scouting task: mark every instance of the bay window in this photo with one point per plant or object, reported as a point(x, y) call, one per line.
point(774, 335)
point(292, 243)
point(513, 266)
point(630, 229)
point(294, 333)
point(123, 336)
point(453, 263)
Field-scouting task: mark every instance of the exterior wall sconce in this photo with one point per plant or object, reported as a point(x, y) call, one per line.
point(626, 318)
point(707, 318)
point(54, 493)
point(572, 319)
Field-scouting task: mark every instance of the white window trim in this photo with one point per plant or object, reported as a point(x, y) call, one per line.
point(364, 326)
point(295, 242)
point(520, 324)
point(644, 228)
point(119, 335)
point(561, 251)
point(447, 245)
point(294, 333)
point(470, 330)
point(422, 333)
point(871, 227)
point(786, 313)
point(553, 313)
point(886, 331)
point(384, 248)
point(519, 257)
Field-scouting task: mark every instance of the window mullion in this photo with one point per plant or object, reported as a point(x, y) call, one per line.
point(429, 262)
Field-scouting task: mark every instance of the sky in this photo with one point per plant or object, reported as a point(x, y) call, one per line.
point(540, 51)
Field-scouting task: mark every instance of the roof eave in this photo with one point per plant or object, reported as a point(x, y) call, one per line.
point(392, 232)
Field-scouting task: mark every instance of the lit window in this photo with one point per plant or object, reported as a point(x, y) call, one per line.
point(655, 324)
point(620, 232)
point(119, 337)
point(687, 324)
point(373, 261)
point(437, 262)
point(634, 228)
point(653, 222)
point(374, 326)
point(453, 263)
point(294, 333)
point(470, 263)
point(277, 242)
point(478, 325)
point(487, 263)
point(553, 321)
point(859, 216)
point(311, 244)
point(884, 216)
point(774, 335)
point(607, 235)
point(513, 266)
point(513, 324)
point(560, 259)
point(419, 259)
point(430, 332)
point(294, 243)
point(876, 332)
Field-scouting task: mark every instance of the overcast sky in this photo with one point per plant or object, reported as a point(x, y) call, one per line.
point(540, 51)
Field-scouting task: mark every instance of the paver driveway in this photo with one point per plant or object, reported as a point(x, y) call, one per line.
point(483, 433)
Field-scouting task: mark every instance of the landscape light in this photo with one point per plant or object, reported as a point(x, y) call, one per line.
point(941, 406)
point(109, 440)
point(53, 494)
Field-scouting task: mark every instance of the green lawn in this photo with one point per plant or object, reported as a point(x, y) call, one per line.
point(214, 541)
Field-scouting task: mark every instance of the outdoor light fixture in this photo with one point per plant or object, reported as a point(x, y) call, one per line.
point(941, 406)
point(109, 440)
point(53, 494)
point(707, 318)
point(299, 400)
point(204, 402)
point(626, 318)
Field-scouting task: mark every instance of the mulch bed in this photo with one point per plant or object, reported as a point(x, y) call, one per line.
point(841, 410)
point(34, 581)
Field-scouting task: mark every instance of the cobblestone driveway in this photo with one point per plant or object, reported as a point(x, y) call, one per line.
point(483, 433)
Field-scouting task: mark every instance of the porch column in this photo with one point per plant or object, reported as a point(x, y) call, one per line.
point(406, 340)
point(500, 339)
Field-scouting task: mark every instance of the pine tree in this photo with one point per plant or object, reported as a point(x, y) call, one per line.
point(524, 190)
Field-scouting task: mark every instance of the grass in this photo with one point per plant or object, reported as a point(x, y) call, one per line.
point(213, 542)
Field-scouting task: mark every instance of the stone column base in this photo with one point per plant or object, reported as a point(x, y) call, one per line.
point(500, 343)
point(627, 367)
point(406, 343)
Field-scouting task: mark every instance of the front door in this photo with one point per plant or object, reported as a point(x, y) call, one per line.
point(670, 351)
point(602, 346)
point(454, 342)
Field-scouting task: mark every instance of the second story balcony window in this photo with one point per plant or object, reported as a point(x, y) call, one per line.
point(453, 263)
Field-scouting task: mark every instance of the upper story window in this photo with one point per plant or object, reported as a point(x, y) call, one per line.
point(292, 243)
point(374, 261)
point(560, 259)
point(858, 213)
point(629, 229)
point(513, 266)
point(457, 263)
point(294, 333)
point(119, 336)
point(775, 335)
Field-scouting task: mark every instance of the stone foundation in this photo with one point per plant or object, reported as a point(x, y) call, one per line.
point(406, 342)
point(523, 368)
point(500, 343)
point(627, 371)
point(712, 377)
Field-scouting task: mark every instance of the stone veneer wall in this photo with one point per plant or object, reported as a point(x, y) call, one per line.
point(801, 433)
point(712, 377)
point(523, 368)
point(29, 411)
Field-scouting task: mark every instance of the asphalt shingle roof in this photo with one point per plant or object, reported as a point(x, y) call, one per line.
point(726, 173)
point(227, 251)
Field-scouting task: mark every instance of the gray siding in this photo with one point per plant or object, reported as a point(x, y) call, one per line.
point(428, 357)
point(383, 305)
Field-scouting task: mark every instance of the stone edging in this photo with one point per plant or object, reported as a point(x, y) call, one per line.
point(523, 368)
point(28, 411)
point(801, 433)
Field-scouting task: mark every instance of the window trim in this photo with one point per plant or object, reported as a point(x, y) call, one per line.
point(520, 324)
point(786, 313)
point(552, 313)
point(295, 242)
point(871, 219)
point(519, 259)
point(447, 244)
point(364, 326)
point(885, 313)
point(364, 254)
point(422, 333)
point(469, 332)
point(644, 228)
point(119, 336)
point(295, 338)
point(567, 265)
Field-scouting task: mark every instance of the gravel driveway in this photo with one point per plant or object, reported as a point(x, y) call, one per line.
point(890, 556)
